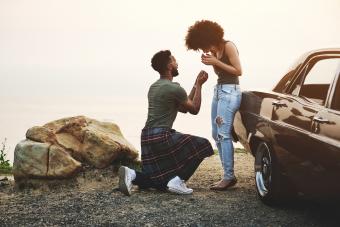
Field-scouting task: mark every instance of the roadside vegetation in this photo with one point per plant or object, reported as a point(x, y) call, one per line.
point(237, 150)
point(5, 166)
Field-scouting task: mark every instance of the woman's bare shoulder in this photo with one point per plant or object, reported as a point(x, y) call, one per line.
point(230, 45)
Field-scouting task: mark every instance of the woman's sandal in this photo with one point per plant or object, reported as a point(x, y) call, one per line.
point(219, 188)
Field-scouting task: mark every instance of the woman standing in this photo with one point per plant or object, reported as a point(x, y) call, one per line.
point(222, 55)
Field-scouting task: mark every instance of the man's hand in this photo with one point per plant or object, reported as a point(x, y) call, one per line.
point(193, 103)
point(201, 78)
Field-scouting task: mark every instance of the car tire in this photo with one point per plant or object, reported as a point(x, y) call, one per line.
point(270, 184)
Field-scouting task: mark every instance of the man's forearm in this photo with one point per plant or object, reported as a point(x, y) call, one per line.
point(197, 98)
point(192, 92)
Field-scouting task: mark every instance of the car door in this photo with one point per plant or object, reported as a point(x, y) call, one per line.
point(326, 137)
point(291, 123)
point(292, 120)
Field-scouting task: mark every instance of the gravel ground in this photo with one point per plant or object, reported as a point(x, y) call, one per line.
point(93, 200)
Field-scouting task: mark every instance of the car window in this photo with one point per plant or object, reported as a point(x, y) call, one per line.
point(320, 76)
point(283, 83)
point(336, 96)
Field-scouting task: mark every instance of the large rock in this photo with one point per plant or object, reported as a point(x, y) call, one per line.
point(60, 163)
point(41, 134)
point(30, 159)
point(57, 149)
point(42, 160)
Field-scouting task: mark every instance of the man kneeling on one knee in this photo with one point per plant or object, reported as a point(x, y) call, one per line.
point(169, 158)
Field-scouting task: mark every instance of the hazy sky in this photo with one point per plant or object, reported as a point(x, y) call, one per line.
point(83, 52)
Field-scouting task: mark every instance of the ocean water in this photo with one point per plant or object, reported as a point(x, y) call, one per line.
point(17, 114)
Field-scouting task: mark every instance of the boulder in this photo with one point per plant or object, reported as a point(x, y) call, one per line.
point(61, 164)
point(42, 160)
point(59, 148)
point(30, 159)
point(40, 134)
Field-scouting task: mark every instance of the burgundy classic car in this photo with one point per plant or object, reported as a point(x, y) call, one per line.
point(293, 131)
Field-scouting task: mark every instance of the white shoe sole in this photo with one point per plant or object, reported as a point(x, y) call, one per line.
point(122, 183)
point(174, 190)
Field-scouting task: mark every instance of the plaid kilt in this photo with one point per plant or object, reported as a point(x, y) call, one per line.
point(165, 152)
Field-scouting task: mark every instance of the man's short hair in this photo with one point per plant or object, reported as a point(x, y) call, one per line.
point(160, 61)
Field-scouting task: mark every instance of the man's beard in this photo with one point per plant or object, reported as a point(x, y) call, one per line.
point(174, 72)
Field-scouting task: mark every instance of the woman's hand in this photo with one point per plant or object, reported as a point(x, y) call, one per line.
point(209, 59)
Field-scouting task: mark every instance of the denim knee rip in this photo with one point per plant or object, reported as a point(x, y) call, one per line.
point(221, 135)
point(219, 121)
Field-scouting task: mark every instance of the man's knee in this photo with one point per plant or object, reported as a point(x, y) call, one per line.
point(201, 140)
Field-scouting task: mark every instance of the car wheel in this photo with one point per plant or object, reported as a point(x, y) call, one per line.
point(268, 179)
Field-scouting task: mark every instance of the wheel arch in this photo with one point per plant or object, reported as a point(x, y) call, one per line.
point(255, 139)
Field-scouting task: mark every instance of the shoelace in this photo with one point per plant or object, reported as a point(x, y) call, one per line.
point(183, 184)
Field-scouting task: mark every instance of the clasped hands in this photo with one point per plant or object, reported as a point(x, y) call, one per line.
point(209, 59)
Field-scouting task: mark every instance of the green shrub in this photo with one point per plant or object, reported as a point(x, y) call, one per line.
point(237, 150)
point(240, 150)
point(5, 166)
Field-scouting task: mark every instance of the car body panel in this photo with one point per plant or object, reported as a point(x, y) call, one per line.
point(307, 147)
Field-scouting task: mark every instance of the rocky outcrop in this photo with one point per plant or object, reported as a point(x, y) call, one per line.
point(40, 160)
point(59, 148)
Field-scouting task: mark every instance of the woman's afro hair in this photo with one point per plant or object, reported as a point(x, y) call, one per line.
point(204, 34)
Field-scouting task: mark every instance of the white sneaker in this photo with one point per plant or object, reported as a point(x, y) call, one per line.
point(178, 186)
point(126, 176)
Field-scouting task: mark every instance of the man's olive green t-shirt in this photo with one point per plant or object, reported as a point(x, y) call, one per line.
point(164, 97)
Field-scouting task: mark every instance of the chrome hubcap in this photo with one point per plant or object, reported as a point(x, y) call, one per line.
point(263, 172)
